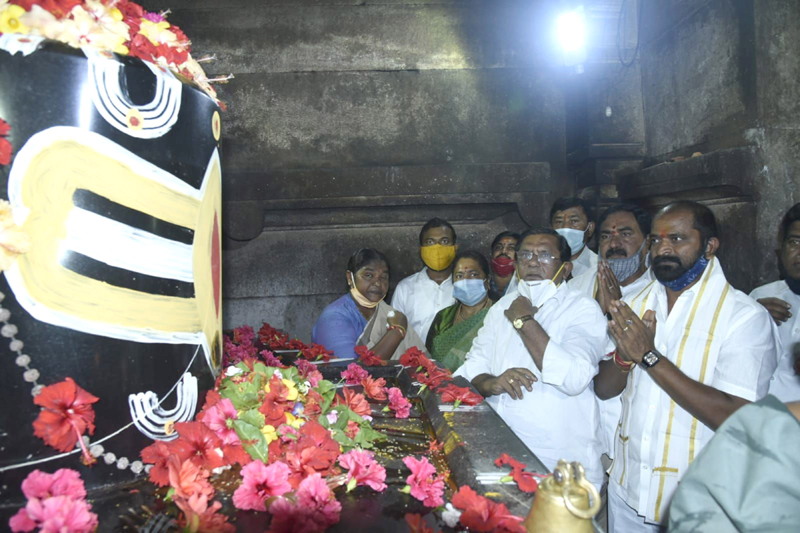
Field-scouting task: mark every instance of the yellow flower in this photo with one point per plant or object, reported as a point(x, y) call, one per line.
point(157, 32)
point(269, 433)
point(293, 421)
point(292, 389)
point(9, 20)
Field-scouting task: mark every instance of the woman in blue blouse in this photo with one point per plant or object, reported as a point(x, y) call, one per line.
point(361, 316)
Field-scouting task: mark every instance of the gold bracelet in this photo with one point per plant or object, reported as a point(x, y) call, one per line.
point(400, 328)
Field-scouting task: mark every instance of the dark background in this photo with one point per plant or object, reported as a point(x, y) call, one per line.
point(351, 123)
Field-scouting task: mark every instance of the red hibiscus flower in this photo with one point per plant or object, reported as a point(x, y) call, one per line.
point(375, 388)
point(525, 480)
point(5, 146)
point(354, 374)
point(435, 376)
point(276, 402)
point(273, 338)
point(313, 404)
point(316, 352)
point(200, 517)
point(484, 515)
point(66, 415)
point(458, 395)
point(424, 485)
point(198, 443)
point(304, 367)
point(187, 478)
point(398, 403)
point(314, 451)
point(244, 335)
point(415, 358)
point(296, 344)
point(157, 455)
point(368, 357)
point(417, 524)
point(356, 402)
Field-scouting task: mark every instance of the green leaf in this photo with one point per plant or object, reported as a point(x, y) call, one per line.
point(169, 494)
point(253, 417)
point(243, 395)
point(456, 404)
point(254, 442)
point(385, 409)
point(406, 489)
point(367, 436)
point(351, 484)
point(506, 479)
point(327, 390)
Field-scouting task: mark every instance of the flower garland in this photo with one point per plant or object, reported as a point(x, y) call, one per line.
point(118, 26)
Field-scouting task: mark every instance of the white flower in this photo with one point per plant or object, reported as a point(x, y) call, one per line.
point(451, 515)
point(332, 417)
point(232, 371)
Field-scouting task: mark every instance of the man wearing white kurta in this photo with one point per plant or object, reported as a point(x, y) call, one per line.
point(622, 271)
point(572, 218)
point(690, 350)
point(420, 296)
point(536, 355)
point(782, 300)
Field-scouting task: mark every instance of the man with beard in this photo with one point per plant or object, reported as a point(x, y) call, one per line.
point(780, 298)
point(552, 335)
point(504, 246)
point(690, 350)
point(420, 296)
point(621, 271)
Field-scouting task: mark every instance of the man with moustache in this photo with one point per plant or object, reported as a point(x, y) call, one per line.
point(420, 296)
point(536, 355)
point(690, 350)
point(504, 246)
point(780, 298)
point(621, 271)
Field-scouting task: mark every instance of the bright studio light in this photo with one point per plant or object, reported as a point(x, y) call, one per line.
point(572, 31)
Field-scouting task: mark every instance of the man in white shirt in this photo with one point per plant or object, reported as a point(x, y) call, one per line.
point(780, 298)
point(420, 296)
point(621, 271)
point(690, 350)
point(536, 355)
point(572, 218)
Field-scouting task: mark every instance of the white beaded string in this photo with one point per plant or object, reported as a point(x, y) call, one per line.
point(31, 375)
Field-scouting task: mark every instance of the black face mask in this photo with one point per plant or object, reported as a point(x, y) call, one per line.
point(794, 285)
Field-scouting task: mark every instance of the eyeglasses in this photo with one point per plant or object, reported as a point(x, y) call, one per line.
point(545, 258)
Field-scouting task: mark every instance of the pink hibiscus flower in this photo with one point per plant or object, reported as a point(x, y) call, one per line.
point(363, 470)
point(398, 403)
point(425, 486)
point(354, 374)
point(63, 482)
point(304, 367)
point(187, 478)
point(259, 483)
point(316, 509)
point(58, 514)
point(314, 377)
point(219, 419)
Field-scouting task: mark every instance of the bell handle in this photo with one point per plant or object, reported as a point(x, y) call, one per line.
point(593, 494)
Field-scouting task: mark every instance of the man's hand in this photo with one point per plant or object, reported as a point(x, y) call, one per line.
point(633, 337)
point(519, 308)
point(511, 381)
point(778, 309)
point(608, 288)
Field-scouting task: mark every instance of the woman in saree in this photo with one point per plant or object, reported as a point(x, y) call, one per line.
point(455, 327)
point(361, 317)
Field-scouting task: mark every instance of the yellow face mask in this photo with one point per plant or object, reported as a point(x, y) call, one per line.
point(438, 256)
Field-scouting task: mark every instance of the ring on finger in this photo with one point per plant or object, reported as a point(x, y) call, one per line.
point(629, 322)
point(626, 328)
point(511, 380)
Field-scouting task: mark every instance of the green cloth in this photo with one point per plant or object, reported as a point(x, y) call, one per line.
point(747, 478)
point(448, 342)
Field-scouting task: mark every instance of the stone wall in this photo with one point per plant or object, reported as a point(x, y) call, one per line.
point(718, 81)
point(351, 123)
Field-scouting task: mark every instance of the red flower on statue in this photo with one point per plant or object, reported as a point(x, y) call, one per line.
point(416, 524)
point(435, 377)
point(198, 443)
point(5, 146)
point(273, 338)
point(157, 455)
point(357, 403)
point(484, 515)
point(455, 394)
point(368, 357)
point(66, 415)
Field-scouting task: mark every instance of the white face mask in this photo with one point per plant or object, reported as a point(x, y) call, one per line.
point(574, 238)
point(540, 290)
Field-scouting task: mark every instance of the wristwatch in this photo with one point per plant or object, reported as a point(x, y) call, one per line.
point(650, 359)
point(519, 322)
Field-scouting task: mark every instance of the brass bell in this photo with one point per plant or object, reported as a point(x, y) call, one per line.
point(562, 502)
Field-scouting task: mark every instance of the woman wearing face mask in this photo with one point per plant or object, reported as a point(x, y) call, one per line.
point(361, 317)
point(455, 327)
